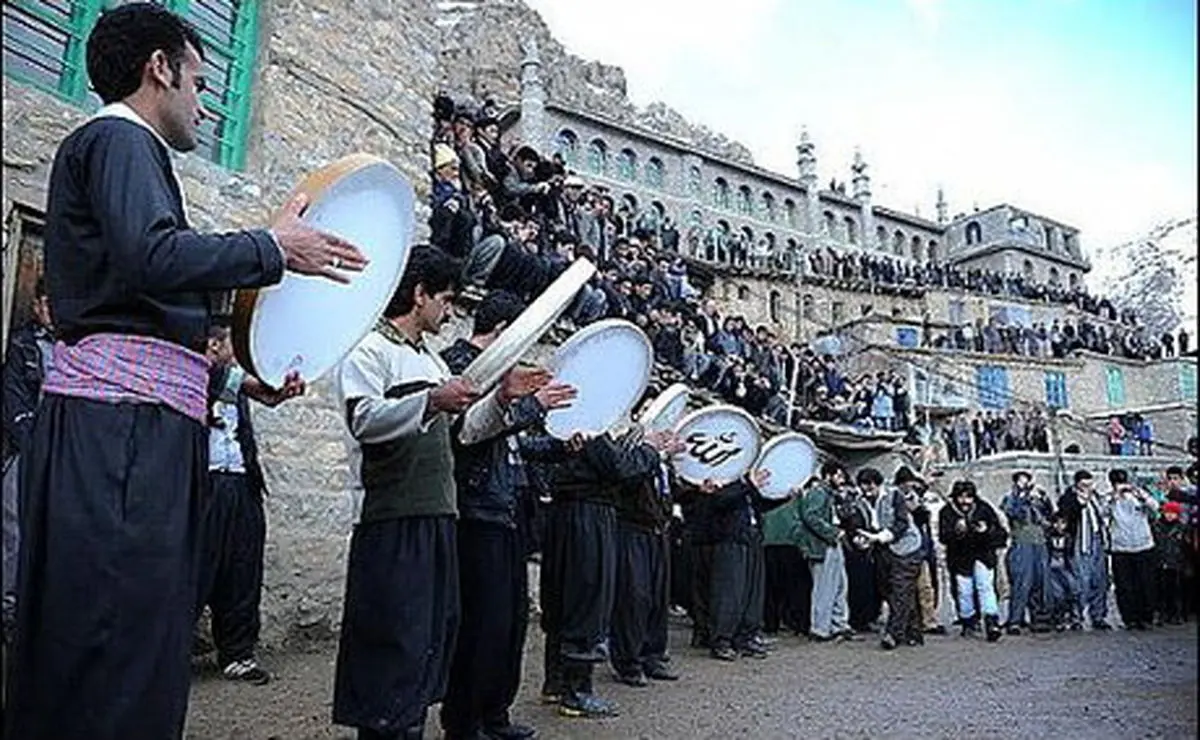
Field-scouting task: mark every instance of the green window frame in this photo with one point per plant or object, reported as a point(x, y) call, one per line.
point(627, 165)
point(45, 47)
point(655, 173)
point(1114, 380)
point(991, 382)
point(1187, 381)
point(597, 157)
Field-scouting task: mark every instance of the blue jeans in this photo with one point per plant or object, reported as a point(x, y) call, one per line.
point(1063, 593)
point(1027, 575)
point(1091, 570)
point(981, 582)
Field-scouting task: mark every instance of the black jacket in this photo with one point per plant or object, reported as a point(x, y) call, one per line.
point(964, 548)
point(23, 377)
point(645, 502)
point(598, 471)
point(217, 377)
point(737, 510)
point(491, 488)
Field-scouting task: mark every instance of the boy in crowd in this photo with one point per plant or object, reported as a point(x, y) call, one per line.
point(1060, 576)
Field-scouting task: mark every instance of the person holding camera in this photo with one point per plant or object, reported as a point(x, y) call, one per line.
point(1130, 510)
point(1028, 510)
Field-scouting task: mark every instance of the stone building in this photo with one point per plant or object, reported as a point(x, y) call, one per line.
point(297, 84)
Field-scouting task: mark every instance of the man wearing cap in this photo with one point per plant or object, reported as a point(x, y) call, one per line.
point(1028, 510)
point(452, 221)
point(902, 557)
point(1088, 530)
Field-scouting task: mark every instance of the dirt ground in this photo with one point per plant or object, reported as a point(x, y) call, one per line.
point(1084, 685)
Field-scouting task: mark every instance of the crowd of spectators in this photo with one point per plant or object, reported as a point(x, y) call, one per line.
point(1130, 435)
point(518, 219)
point(1058, 340)
point(989, 432)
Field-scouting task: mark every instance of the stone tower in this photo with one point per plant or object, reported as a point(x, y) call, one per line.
point(943, 209)
point(533, 99)
point(860, 181)
point(806, 161)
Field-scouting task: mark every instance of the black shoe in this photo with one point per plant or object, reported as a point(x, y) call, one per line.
point(846, 636)
point(637, 680)
point(724, 653)
point(510, 731)
point(915, 641)
point(936, 630)
point(1101, 626)
point(888, 642)
point(595, 655)
point(969, 626)
point(1060, 627)
point(992, 627)
point(753, 651)
point(587, 706)
point(1013, 629)
point(660, 672)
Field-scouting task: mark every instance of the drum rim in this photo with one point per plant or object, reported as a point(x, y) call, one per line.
point(580, 271)
point(247, 300)
point(737, 411)
point(778, 440)
point(595, 328)
point(660, 402)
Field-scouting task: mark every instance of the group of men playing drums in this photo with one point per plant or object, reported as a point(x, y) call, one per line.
point(114, 479)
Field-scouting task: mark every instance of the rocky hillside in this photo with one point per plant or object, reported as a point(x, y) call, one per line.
point(1155, 275)
point(481, 53)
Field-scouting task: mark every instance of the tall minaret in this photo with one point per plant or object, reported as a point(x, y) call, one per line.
point(861, 184)
point(533, 99)
point(943, 209)
point(806, 161)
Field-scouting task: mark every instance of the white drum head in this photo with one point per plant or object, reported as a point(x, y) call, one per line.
point(516, 339)
point(667, 408)
point(609, 364)
point(308, 324)
point(791, 459)
point(721, 442)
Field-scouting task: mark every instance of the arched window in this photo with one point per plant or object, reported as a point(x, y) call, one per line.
point(721, 193)
point(774, 305)
point(694, 182)
point(974, 233)
point(880, 238)
point(1027, 269)
point(660, 211)
point(1072, 280)
point(770, 241)
point(629, 200)
point(743, 293)
point(747, 236)
point(830, 224)
point(851, 230)
point(789, 213)
point(745, 201)
point(898, 243)
point(768, 207)
point(806, 307)
point(597, 159)
point(627, 165)
point(1054, 279)
point(567, 145)
point(1069, 244)
point(655, 173)
point(932, 254)
point(918, 253)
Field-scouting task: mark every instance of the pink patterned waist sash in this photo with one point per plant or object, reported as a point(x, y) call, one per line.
point(124, 367)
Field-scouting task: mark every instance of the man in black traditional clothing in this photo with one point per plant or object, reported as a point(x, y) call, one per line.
point(639, 625)
point(117, 463)
point(402, 409)
point(495, 504)
point(579, 566)
point(235, 528)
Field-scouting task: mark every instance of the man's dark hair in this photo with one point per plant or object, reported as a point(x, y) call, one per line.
point(497, 307)
point(830, 467)
point(1118, 477)
point(963, 487)
point(1175, 470)
point(1017, 476)
point(1082, 475)
point(512, 212)
point(428, 267)
point(123, 40)
point(869, 477)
